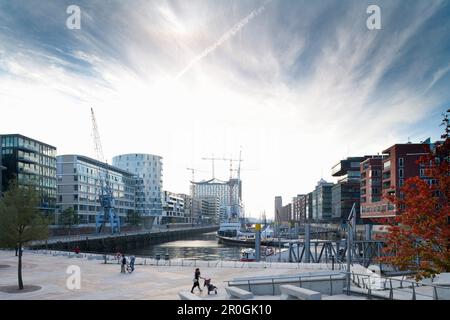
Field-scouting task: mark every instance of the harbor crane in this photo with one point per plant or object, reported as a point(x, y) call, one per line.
point(106, 197)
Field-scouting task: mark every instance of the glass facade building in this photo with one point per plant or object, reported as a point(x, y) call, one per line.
point(79, 187)
point(322, 201)
point(228, 192)
point(347, 190)
point(31, 163)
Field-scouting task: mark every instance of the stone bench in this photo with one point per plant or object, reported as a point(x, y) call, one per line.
point(234, 292)
point(186, 295)
point(290, 292)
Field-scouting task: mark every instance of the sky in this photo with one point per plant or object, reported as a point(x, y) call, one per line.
point(296, 85)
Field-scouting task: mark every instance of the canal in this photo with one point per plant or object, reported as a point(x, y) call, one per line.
point(202, 246)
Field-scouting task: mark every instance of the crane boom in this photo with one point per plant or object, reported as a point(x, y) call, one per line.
point(96, 137)
point(106, 196)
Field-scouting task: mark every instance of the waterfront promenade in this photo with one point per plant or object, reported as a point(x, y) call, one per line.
point(104, 281)
point(93, 236)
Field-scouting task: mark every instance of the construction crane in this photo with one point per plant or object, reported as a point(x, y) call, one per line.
point(106, 196)
point(212, 161)
point(233, 209)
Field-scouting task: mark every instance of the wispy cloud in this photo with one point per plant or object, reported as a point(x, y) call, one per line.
point(230, 33)
point(298, 84)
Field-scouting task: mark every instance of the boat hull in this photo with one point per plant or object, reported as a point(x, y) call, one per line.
point(241, 243)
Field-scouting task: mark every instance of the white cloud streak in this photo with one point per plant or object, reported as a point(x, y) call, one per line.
point(292, 126)
point(229, 34)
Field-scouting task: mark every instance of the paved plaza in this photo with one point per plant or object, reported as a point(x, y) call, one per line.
point(100, 281)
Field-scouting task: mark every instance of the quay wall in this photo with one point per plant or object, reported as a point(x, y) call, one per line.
point(121, 242)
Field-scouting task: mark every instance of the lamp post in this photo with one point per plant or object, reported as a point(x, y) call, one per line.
point(350, 224)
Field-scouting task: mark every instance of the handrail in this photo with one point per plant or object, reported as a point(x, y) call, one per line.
point(364, 278)
point(286, 278)
point(402, 288)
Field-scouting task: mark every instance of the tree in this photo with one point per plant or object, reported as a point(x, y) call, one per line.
point(419, 237)
point(21, 220)
point(69, 218)
point(134, 218)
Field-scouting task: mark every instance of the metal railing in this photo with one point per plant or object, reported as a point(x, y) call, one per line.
point(375, 286)
point(165, 261)
point(301, 280)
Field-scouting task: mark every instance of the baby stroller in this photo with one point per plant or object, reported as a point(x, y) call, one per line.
point(130, 265)
point(210, 286)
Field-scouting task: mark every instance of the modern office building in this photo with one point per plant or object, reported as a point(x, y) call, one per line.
point(148, 168)
point(284, 215)
point(278, 205)
point(210, 209)
point(399, 164)
point(346, 191)
point(79, 186)
point(322, 201)
point(228, 192)
point(173, 208)
point(371, 184)
point(191, 208)
point(299, 208)
point(31, 163)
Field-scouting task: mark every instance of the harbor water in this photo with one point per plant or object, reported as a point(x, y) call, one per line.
point(202, 247)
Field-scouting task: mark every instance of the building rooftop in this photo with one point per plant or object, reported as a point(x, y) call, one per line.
point(97, 163)
point(28, 138)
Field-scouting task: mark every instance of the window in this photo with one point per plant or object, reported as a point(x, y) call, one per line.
point(400, 173)
point(400, 182)
point(400, 162)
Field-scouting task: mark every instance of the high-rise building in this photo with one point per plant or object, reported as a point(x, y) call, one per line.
point(228, 192)
point(31, 163)
point(148, 168)
point(322, 201)
point(79, 187)
point(371, 184)
point(399, 164)
point(346, 191)
point(278, 205)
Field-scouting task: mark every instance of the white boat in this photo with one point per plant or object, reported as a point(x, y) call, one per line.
point(229, 229)
point(248, 254)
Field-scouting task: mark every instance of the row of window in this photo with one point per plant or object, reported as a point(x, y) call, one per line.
point(376, 209)
point(15, 142)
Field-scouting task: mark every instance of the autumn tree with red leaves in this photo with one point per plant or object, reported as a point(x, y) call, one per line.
point(418, 238)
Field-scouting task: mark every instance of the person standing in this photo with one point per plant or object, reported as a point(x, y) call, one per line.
point(123, 264)
point(132, 260)
point(196, 280)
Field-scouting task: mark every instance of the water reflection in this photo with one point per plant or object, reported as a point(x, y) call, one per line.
point(202, 247)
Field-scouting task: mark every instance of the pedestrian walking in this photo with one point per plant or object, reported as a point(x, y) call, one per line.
point(123, 264)
point(196, 280)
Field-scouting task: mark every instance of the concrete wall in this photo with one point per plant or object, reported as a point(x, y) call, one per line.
point(322, 284)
